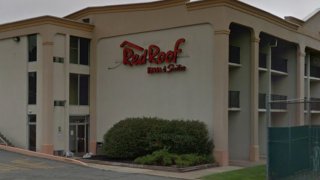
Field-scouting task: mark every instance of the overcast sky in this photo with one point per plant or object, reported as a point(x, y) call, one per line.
point(13, 10)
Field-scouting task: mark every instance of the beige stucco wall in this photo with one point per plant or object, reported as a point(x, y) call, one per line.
point(13, 90)
point(131, 92)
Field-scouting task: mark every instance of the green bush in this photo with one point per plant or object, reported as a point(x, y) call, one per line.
point(164, 158)
point(134, 137)
point(161, 157)
point(186, 160)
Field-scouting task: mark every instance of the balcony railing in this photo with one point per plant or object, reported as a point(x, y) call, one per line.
point(274, 105)
point(234, 99)
point(314, 104)
point(262, 60)
point(314, 71)
point(278, 64)
point(234, 54)
point(262, 101)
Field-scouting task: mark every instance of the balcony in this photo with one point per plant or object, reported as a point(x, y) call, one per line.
point(275, 105)
point(263, 60)
point(314, 71)
point(277, 64)
point(234, 55)
point(234, 99)
point(314, 105)
point(262, 101)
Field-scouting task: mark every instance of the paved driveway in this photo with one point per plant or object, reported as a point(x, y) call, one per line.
point(19, 167)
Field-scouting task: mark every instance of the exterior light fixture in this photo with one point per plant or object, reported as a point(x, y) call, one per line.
point(16, 39)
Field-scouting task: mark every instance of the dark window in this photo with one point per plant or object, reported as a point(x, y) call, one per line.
point(32, 123)
point(79, 89)
point(84, 51)
point(32, 48)
point(32, 88)
point(84, 90)
point(79, 50)
point(73, 89)
point(74, 50)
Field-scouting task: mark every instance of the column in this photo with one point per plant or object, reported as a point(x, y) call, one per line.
point(254, 147)
point(300, 84)
point(93, 85)
point(47, 92)
point(220, 95)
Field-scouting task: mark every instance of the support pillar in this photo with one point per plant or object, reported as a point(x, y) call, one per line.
point(300, 85)
point(93, 96)
point(220, 95)
point(254, 117)
point(47, 92)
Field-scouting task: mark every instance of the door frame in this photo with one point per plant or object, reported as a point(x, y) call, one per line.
point(33, 123)
point(76, 121)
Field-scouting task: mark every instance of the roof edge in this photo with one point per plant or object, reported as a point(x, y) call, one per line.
point(244, 7)
point(294, 20)
point(126, 7)
point(45, 20)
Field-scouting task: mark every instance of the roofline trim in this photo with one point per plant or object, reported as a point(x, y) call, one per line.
point(240, 6)
point(42, 20)
point(126, 7)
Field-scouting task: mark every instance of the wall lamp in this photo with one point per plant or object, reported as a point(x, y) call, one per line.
point(16, 39)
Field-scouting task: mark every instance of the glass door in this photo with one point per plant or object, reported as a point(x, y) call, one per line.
point(79, 134)
point(32, 132)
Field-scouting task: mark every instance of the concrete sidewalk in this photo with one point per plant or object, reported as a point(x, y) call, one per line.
point(179, 175)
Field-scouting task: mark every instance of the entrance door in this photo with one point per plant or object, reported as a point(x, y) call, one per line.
point(79, 134)
point(32, 132)
point(81, 138)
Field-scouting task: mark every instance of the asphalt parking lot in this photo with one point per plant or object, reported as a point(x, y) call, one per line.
point(19, 167)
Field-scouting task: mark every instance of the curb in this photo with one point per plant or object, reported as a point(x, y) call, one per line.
point(42, 155)
point(153, 167)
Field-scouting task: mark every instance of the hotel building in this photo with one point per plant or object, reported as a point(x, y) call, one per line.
point(66, 81)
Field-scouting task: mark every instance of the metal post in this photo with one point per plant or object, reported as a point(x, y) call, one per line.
point(272, 44)
point(308, 91)
point(268, 114)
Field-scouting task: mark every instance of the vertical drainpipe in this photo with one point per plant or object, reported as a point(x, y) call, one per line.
point(268, 99)
point(308, 90)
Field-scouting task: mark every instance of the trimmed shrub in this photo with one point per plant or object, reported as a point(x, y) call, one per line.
point(186, 160)
point(164, 158)
point(134, 137)
point(161, 157)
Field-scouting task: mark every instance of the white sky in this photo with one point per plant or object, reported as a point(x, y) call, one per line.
point(13, 10)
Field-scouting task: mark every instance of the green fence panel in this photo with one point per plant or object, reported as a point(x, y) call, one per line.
point(289, 151)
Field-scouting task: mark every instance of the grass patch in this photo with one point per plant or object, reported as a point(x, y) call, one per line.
point(251, 173)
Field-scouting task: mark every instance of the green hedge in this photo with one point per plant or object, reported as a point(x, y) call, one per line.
point(134, 137)
point(164, 158)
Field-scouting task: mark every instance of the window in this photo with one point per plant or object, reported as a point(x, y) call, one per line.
point(32, 88)
point(79, 50)
point(32, 135)
point(79, 89)
point(32, 48)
